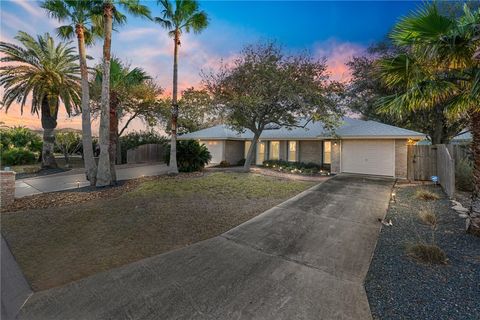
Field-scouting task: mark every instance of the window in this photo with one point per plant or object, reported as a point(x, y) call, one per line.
point(260, 153)
point(274, 150)
point(292, 151)
point(327, 152)
point(247, 147)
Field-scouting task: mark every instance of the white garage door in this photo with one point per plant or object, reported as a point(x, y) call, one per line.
point(216, 150)
point(375, 157)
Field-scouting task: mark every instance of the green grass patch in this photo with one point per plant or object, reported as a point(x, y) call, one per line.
point(227, 185)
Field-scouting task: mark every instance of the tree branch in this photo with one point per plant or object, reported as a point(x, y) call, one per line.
point(127, 123)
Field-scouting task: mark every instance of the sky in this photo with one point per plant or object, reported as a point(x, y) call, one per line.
point(336, 30)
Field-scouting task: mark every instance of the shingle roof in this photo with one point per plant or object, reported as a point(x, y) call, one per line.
point(349, 128)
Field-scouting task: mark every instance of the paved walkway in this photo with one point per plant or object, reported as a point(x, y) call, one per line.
point(303, 259)
point(76, 179)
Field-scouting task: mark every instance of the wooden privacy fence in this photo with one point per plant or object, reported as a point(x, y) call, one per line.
point(425, 161)
point(446, 170)
point(146, 153)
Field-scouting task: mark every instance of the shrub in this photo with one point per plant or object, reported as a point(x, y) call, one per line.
point(191, 156)
point(224, 164)
point(134, 139)
point(241, 162)
point(425, 194)
point(17, 156)
point(427, 216)
point(427, 253)
point(293, 167)
point(20, 137)
point(464, 175)
point(68, 143)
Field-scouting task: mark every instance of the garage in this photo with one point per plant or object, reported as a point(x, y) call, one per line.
point(376, 157)
point(216, 148)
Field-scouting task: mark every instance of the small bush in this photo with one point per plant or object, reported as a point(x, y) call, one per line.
point(427, 253)
point(20, 137)
point(191, 156)
point(241, 162)
point(293, 167)
point(17, 156)
point(224, 164)
point(464, 175)
point(425, 194)
point(427, 216)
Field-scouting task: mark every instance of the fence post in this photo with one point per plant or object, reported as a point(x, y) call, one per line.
point(446, 170)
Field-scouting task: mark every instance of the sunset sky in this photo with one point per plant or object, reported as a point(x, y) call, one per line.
point(335, 30)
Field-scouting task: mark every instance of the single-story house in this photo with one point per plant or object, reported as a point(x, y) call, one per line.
point(357, 146)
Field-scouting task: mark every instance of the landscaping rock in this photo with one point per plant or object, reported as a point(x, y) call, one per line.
point(399, 287)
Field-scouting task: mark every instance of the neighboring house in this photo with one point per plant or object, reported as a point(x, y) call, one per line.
point(358, 146)
point(464, 137)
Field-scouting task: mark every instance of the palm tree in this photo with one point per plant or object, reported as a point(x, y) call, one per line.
point(47, 73)
point(111, 14)
point(185, 16)
point(438, 68)
point(85, 24)
point(123, 81)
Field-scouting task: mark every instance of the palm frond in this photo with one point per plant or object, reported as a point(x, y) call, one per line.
point(65, 32)
point(40, 69)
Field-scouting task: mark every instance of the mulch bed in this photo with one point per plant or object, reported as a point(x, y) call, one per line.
point(73, 196)
point(399, 287)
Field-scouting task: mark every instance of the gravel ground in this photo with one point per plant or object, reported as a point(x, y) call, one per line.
point(399, 287)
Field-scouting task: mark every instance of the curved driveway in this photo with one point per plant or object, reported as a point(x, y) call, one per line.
point(303, 259)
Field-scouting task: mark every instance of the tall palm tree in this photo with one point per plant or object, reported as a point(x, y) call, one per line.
point(185, 16)
point(47, 73)
point(85, 24)
point(438, 68)
point(122, 81)
point(111, 14)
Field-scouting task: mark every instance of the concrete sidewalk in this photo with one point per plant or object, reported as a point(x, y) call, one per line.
point(303, 259)
point(65, 181)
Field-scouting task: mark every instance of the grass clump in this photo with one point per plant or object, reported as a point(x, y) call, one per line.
point(428, 217)
point(426, 195)
point(427, 253)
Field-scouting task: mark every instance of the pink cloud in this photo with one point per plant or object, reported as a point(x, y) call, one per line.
point(338, 54)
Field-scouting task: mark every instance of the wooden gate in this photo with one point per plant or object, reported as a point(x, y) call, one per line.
point(426, 161)
point(422, 162)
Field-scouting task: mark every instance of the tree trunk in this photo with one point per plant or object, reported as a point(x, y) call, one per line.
point(173, 142)
point(113, 133)
point(88, 159)
point(473, 220)
point(104, 174)
point(253, 145)
point(437, 135)
point(49, 123)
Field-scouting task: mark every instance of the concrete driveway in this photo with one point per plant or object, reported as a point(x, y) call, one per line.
point(66, 181)
point(303, 259)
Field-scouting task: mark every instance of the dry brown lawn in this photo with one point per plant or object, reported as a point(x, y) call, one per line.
point(61, 244)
